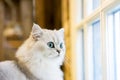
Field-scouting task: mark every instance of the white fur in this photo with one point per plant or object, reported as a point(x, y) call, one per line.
point(41, 60)
point(9, 71)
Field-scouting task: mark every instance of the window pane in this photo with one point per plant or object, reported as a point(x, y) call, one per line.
point(96, 51)
point(110, 49)
point(89, 55)
point(113, 45)
point(80, 56)
point(96, 4)
point(94, 56)
point(117, 43)
point(92, 5)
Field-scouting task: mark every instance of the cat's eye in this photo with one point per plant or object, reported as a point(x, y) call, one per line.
point(61, 45)
point(51, 44)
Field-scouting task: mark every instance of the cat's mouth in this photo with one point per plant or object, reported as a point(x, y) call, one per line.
point(53, 56)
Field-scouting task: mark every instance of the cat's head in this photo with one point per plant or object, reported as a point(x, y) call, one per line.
point(50, 43)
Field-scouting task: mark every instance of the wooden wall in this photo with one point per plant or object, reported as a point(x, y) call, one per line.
point(1, 28)
point(66, 25)
point(48, 13)
point(39, 12)
point(26, 9)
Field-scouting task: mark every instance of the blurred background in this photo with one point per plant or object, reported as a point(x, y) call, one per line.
point(92, 33)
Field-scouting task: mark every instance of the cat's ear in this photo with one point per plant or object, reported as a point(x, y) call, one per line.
point(36, 31)
point(61, 31)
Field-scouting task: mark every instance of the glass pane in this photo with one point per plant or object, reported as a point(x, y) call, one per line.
point(89, 56)
point(92, 5)
point(113, 45)
point(96, 51)
point(110, 49)
point(80, 56)
point(96, 4)
point(94, 55)
point(117, 43)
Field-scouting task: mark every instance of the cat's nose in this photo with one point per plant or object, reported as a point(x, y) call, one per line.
point(58, 51)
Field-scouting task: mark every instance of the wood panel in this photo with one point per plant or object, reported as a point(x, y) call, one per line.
point(26, 7)
point(40, 12)
point(57, 14)
point(66, 25)
point(1, 28)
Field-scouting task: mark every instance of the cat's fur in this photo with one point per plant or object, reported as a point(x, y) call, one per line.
point(35, 59)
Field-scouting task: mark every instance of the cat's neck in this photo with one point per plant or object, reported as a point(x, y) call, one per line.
point(25, 70)
point(35, 68)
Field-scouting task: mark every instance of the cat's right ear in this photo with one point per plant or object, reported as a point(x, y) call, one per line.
point(36, 31)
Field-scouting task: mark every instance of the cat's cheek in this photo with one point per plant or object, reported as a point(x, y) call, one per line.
point(42, 49)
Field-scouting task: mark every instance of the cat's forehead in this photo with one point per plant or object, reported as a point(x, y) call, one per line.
point(53, 35)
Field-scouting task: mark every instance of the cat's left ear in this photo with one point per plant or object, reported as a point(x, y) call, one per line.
point(36, 31)
point(61, 31)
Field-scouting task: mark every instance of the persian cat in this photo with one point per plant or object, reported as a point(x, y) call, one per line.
point(38, 58)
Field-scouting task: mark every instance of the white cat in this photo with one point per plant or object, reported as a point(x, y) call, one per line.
point(39, 58)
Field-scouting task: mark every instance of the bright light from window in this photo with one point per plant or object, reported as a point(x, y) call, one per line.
point(113, 45)
point(92, 5)
point(117, 43)
point(80, 55)
point(94, 55)
point(96, 51)
point(96, 4)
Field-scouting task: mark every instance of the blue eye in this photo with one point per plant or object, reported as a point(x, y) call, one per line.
point(61, 45)
point(51, 44)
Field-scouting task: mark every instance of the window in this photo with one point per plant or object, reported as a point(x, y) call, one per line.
point(97, 36)
point(94, 55)
point(113, 44)
point(96, 4)
point(92, 5)
point(80, 55)
point(96, 51)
